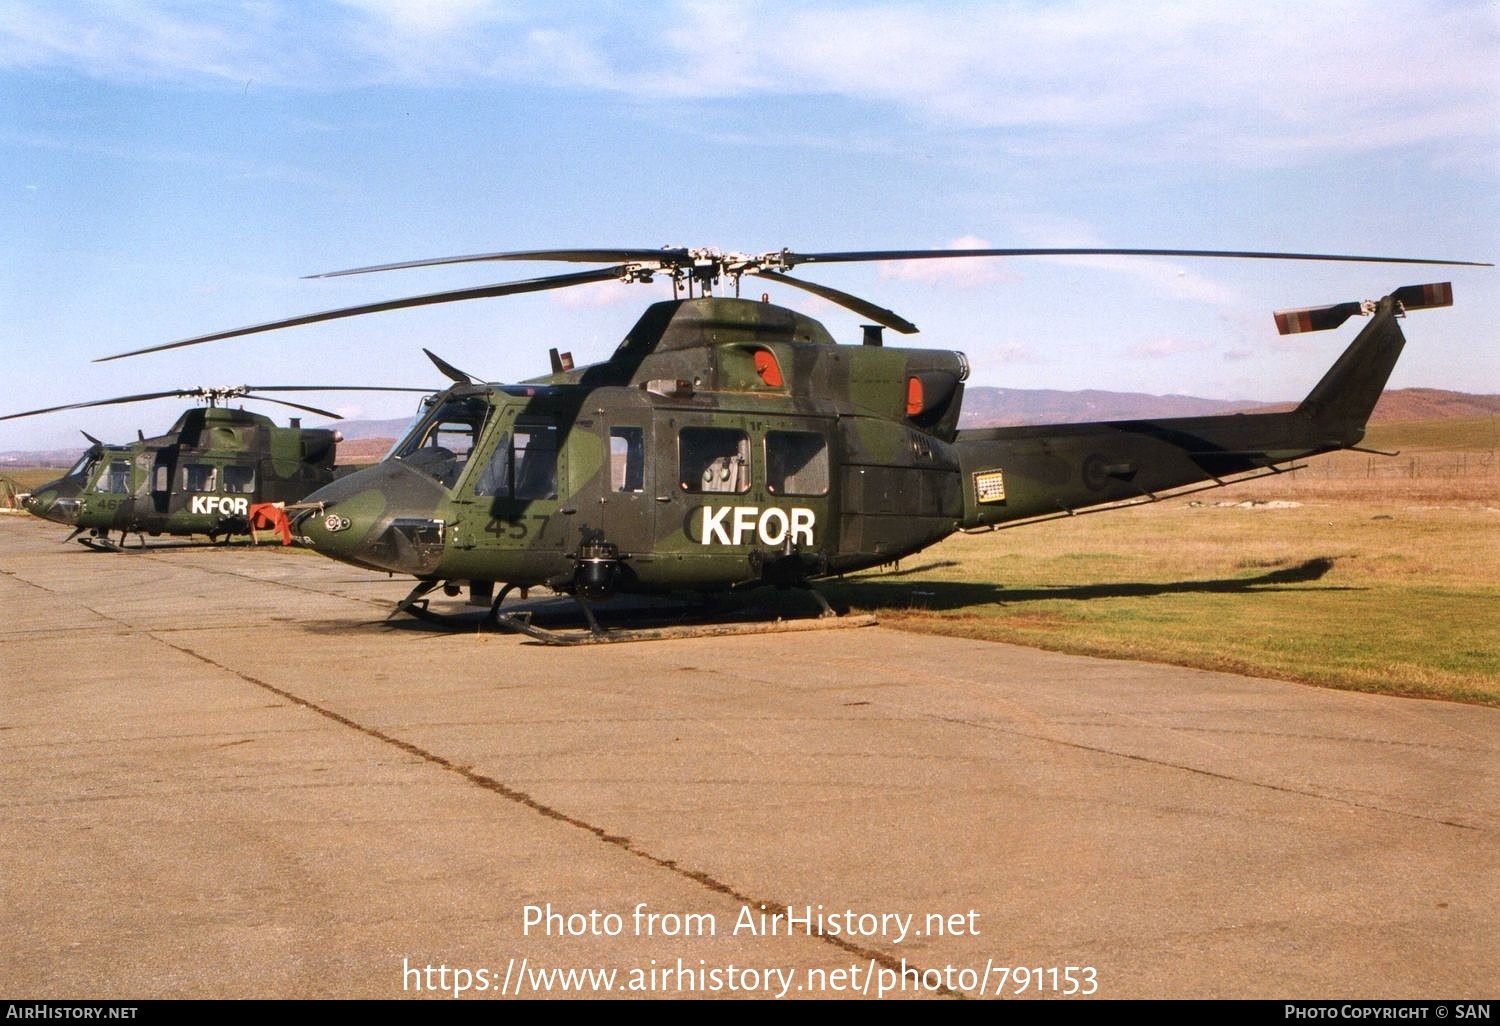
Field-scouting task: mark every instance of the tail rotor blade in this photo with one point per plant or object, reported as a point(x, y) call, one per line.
point(1321, 318)
point(1316, 318)
point(1424, 297)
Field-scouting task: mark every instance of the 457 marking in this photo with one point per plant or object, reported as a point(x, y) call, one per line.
point(516, 528)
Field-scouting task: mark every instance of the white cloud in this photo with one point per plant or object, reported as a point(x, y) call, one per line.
point(968, 272)
point(1164, 348)
point(1014, 352)
point(1270, 83)
point(432, 17)
point(143, 41)
point(1266, 82)
point(599, 295)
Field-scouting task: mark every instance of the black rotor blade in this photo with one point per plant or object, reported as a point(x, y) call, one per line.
point(216, 394)
point(331, 388)
point(878, 314)
point(449, 371)
point(556, 281)
point(943, 254)
point(296, 406)
point(175, 393)
point(580, 256)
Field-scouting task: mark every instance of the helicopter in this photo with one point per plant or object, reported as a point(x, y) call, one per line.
point(729, 443)
point(217, 471)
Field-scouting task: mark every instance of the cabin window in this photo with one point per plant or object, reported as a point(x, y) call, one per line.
point(115, 477)
point(524, 463)
point(713, 459)
point(200, 477)
point(535, 445)
point(239, 480)
point(627, 459)
point(796, 463)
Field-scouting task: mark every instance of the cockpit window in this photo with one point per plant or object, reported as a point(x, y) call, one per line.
point(440, 443)
point(115, 477)
point(524, 463)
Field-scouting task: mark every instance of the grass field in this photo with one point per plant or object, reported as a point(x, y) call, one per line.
point(1362, 572)
point(27, 478)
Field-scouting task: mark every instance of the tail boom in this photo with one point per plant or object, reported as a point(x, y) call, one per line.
point(1023, 473)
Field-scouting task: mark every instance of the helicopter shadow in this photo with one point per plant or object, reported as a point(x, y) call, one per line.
point(636, 612)
point(870, 593)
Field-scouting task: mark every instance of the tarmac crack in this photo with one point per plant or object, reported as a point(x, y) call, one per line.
point(527, 801)
point(1214, 775)
point(1305, 792)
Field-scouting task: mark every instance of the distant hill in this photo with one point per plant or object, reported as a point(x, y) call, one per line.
point(366, 441)
point(1433, 404)
point(1003, 407)
point(984, 406)
point(386, 429)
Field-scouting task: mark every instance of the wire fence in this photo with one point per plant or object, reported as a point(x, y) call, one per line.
point(1411, 466)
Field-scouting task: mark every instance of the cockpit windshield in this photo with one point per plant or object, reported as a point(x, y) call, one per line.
point(84, 465)
point(440, 442)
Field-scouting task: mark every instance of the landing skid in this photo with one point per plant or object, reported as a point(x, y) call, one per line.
point(521, 623)
point(415, 604)
point(99, 541)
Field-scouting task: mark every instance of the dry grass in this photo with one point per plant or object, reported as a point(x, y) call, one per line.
point(1338, 585)
point(28, 478)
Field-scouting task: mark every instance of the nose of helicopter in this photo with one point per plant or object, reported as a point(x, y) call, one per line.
point(380, 517)
point(51, 504)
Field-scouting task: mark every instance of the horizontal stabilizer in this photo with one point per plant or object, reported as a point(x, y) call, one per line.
point(1321, 318)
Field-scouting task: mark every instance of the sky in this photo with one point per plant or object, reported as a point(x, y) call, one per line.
point(170, 169)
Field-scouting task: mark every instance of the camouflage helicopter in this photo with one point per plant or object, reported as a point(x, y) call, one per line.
point(205, 476)
point(729, 443)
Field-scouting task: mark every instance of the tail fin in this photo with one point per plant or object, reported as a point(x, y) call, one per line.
point(1341, 403)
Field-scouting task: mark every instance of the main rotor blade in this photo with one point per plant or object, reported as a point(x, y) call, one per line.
point(449, 371)
point(556, 281)
point(942, 254)
point(580, 256)
point(332, 388)
point(220, 394)
point(878, 314)
point(175, 393)
point(296, 406)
